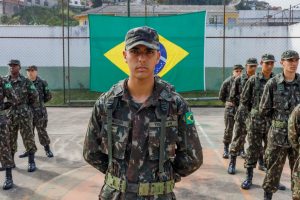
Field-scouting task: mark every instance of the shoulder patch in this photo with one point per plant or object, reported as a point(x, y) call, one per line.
point(7, 86)
point(189, 118)
point(32, 87)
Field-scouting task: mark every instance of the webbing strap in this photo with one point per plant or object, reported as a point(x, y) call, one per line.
point(162, 144)
point(109, 128)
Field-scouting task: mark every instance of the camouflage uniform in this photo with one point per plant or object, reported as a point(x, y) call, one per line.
point(239, 128)
point(278, 101)
point(229, 110)
point(137, 136)
point(294, 139)
point(6, 91)
point(258, 126)
point(40, 116)
point(20, 116)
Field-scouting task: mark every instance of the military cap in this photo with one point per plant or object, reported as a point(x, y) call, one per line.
point(267, 57)
point(142, 35)
point(251, 61)
point(14, 62)
point(32, 67)
point(289, 54)
point(238, 66)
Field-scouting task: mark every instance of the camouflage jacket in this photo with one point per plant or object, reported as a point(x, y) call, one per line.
point(25, 92)
point(294, 129)
point(7, 95)
point(237, 88)
point(136, 137)
point(278, 101)
point(43, 90)
point(225, 89)
point(252, 92)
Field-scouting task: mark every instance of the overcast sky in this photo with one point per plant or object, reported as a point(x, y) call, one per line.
point(283, 3)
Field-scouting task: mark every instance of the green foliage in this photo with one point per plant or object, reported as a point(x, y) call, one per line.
point(36, 15)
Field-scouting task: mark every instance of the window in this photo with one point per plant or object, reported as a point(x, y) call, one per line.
point(76, 2)
point(37, 2)
point(46, 3)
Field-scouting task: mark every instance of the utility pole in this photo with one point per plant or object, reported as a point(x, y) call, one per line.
point(145, 8)
point(128, 8)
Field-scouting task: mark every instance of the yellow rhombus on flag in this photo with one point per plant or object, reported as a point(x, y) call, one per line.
point(174, 55)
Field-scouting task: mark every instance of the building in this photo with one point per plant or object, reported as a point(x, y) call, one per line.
point(215, 14)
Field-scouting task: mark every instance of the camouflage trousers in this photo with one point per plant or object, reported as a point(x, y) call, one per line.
point(21, 120)
point(296, 180)
point(5, 150)
point(229, 123)
point(108, 193)
point(40, 121)
point(275, 157)
point(239, 132)
point(257, 130)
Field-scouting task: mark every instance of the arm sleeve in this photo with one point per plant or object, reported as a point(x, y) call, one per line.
point(91, 148)
point(266, 102)
point(222, 93)
point(293, 129)
point(189, 156)
point(234, 94)
point(47, 92)
point(246, 96)
point(33, 95)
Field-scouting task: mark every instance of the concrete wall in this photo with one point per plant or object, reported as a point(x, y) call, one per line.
point(46, 51)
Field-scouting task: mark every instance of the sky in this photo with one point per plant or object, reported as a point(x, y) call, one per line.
point(283, 3)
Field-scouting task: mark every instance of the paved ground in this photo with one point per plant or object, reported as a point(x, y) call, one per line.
point(68, 177)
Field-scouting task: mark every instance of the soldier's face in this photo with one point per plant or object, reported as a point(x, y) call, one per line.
point(141, 61)
point(14, 69)
point(267, 66)
point(32, 74)
point(290, 65)
point(251, 69)
point(237, 72)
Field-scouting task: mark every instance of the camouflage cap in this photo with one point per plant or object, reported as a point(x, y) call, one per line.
point(14, 62)
point(267, 57)
point(238, 66)
point(251, 61)
point(31, 67)
point(289, 54)
point(142, 35)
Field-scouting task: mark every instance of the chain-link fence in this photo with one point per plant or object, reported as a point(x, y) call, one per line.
point(59, 44)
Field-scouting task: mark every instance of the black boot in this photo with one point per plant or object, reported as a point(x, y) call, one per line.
point(8, 183)
point(248, 182)
point(226, 151)
point(49, 153)
point(261, 164)
point(31, 163)
point(268, 195)
point(24, 154)
point(281, 187)
point(232, 163)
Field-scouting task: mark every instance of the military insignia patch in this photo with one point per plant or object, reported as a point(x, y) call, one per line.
point(7, 86)
point(189, 118)
point(32, 87)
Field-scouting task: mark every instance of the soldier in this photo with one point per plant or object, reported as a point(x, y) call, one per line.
point(280, 97)
point(141, 133)
point(40, 116)
point(20, 116)
point(7, 96)
point(239, 128)
point(257, 126)
point(294, 139)
point(229, 107)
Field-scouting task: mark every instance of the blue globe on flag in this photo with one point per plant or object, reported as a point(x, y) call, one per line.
point(163, 59)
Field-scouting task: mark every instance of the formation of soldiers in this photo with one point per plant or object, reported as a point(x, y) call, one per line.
point(260, 105)
point(23, 109)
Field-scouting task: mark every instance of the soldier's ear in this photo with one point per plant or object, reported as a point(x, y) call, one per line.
point(125, 56)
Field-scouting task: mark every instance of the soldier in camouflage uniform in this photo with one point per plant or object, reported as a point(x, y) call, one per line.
point(20, 116)
point(239, 128)
point(40, 116)
point(294, 139)
point(141, 133)
point(281, 95)
point(257, 126)
point(7, 96)
point(229, 107)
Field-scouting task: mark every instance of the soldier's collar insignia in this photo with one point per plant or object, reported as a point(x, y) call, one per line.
point(7, 86)
point(189, 118)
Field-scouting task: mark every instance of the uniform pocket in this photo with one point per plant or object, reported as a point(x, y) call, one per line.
point(170, 140)
point(279, 136)
point(120, 132)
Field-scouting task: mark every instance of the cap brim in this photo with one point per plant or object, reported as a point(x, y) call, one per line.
point(147, 44)
point(289, 58)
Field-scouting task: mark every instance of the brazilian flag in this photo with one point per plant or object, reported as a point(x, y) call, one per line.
point(181, 46)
